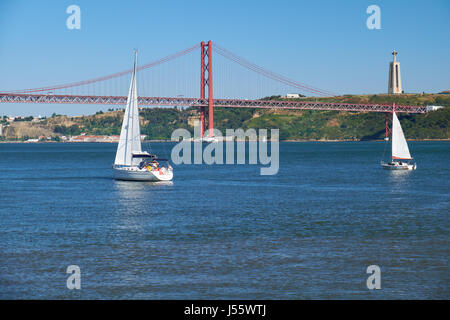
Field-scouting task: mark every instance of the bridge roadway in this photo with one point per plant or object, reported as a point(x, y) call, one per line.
point(198, 102)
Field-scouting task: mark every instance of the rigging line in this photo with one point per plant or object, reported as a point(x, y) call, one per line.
point(118, 74)
point(384, 151)
point(385, 145)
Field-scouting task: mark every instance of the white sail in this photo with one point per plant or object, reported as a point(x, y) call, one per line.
point(130, 136)
point(399, 145)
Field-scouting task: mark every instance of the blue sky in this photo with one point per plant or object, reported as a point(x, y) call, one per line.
point(325, 44)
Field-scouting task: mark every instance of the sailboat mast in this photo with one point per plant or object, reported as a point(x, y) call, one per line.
point(129, 140)
point(387, 127)
point(131, 124)
point(392, 133)
point(133, 97)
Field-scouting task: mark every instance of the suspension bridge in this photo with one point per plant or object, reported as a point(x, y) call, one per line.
point(178, 80)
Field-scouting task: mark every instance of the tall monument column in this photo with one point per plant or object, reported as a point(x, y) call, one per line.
point(395, 80)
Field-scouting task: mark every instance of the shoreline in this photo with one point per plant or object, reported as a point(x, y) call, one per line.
point(162, 141)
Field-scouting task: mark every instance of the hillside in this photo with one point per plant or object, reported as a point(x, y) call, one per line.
point(425, 99)
point(158, 123)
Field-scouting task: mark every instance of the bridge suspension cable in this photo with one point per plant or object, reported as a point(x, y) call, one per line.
point(269, 74)
point(111, 76)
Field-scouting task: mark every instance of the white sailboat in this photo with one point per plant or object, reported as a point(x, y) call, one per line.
point(401, 158)
point(131, 162)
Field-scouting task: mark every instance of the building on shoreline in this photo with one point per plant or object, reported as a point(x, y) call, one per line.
point(434, 108)
point(100, 138)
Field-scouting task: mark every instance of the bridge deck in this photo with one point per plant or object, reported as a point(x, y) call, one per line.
point(224, 103)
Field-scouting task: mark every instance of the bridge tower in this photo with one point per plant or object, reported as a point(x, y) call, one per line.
point(206, 81)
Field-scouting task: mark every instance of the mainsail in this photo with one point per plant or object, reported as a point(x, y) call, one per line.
point(130, 136)
point(399, 146)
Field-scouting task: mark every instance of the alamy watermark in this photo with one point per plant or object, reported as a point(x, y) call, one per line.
point(374, 280)
point(74, 280)
point(74, 20)
point(374, 20)
point(213, 153)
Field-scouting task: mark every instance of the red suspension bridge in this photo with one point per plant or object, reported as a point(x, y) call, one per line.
point(171, 81)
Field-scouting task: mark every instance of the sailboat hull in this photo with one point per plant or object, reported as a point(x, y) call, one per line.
point(396, 166)
point(136, 174)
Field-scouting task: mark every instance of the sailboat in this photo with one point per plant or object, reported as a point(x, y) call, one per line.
point(401, 158)
point(131, 162)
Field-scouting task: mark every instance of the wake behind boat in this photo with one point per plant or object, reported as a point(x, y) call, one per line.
point(131, 162)
point(400, 152)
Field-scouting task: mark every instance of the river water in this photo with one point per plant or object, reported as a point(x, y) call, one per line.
point(224, 231)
